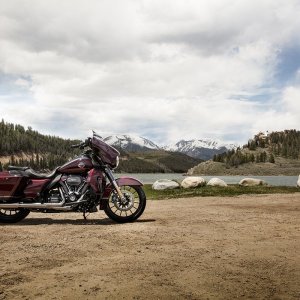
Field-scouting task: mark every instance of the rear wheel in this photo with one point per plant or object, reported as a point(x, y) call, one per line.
point(13, 215)
point(130, 210)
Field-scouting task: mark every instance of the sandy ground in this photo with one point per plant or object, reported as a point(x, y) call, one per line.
point(200, 248)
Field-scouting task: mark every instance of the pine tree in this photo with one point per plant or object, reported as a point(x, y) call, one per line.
point(257, 158)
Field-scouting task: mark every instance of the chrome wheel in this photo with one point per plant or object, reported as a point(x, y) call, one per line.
point(9, 212)
point(129, 210)
point(13, 215)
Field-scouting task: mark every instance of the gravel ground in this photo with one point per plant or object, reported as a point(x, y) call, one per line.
point(196, 248)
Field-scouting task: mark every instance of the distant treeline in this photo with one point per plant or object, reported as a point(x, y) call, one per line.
point(238, 157)
point(36, 150)
point(284, 143)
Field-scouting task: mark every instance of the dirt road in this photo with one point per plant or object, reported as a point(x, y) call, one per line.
point(199, 248)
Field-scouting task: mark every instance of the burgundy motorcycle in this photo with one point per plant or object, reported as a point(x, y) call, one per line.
point(81, 185)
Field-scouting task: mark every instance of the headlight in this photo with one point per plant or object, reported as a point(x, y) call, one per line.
point(117, 162)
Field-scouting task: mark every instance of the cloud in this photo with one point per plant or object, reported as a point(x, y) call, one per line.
point(166, 70)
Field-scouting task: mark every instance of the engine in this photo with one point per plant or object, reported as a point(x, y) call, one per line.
point(73, 182)
point(72, 187)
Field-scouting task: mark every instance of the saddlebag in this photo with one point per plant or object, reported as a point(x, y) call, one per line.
point(12, 185)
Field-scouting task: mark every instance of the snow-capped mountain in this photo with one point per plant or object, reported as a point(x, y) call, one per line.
point(204, 149)
point(131, 142)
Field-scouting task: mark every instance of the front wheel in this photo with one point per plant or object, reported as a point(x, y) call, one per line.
point(13, 215)
point(130, 210)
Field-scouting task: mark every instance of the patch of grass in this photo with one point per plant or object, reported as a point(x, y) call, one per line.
point(230, 190)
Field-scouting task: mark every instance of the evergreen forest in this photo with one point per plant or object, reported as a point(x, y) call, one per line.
point(264, 148)
point(27, 147)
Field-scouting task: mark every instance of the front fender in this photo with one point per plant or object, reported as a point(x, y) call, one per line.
point(128, 181)
point(121, 182)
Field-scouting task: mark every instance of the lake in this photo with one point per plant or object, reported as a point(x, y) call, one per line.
point(149, 178)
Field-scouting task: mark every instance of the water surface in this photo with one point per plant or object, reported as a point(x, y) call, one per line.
point(149, 178)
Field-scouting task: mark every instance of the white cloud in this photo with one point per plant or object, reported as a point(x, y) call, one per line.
point(164, 69)
point(291, 99)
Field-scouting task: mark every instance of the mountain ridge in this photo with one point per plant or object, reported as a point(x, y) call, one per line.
point(201, 148)
point(131, 142)
point(197, 148)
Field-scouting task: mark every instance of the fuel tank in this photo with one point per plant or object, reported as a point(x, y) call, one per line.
point(78, 165)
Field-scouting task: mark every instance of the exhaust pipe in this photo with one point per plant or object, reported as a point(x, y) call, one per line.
point(54, 206)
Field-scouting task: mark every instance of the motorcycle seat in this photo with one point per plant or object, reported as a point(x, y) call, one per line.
point(33, 174)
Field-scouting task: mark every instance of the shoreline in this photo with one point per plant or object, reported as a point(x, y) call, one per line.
point(150, 178)
point(216, 191)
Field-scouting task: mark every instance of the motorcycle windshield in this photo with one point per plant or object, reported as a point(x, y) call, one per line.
point(107, 153)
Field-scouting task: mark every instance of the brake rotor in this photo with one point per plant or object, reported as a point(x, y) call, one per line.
point(124, 206)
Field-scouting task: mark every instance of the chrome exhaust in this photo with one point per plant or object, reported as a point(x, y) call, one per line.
point(54, 206)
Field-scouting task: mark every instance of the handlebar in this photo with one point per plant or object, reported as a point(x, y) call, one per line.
point(86, 143)
point(77, 145)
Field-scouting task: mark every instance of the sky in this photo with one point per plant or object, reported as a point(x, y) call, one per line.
point(163, 69)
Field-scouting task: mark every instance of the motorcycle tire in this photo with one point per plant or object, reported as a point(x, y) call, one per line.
point(136, 196)
point(13, 215)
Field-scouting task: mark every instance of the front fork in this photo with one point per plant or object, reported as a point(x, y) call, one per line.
point(111, 178)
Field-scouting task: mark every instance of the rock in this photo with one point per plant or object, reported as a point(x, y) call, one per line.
point(165, 184)
point(252, 182)
point(298, 182)
point(193, 181)
point(217, 182)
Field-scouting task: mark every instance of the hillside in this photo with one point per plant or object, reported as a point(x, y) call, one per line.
point(26, 147)
point(156, 161)
point(277, 153)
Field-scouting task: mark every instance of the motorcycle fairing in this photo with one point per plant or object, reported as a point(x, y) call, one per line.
point(108, 153)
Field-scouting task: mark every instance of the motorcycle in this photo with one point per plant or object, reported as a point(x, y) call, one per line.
point(83, 184)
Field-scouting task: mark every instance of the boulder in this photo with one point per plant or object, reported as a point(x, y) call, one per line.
point(165, 184)
point(217, 182)
point(192, 181)
point(298, 182)
point(252, 182)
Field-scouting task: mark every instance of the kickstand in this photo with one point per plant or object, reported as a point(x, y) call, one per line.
point(85, 215)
